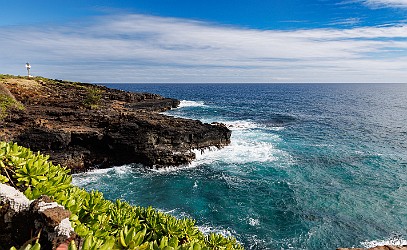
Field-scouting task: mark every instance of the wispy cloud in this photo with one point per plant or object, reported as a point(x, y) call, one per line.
point(141, 48)
point(346, 22)
point(386, 3)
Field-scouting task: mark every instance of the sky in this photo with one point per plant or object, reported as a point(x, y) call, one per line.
point(211, 41)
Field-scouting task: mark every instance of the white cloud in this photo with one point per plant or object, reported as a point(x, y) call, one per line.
point(140, 48)
point(386, 3)
point(347, 21)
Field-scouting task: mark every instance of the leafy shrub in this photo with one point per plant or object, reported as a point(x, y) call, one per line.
point(7, 102)
point(102, 223)
point(93, 97)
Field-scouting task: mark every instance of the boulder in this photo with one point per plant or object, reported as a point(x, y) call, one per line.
point(22, 220)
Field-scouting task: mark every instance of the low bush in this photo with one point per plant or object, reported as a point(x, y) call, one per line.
point(6, 104)
point(93, 97)
point(102, 223)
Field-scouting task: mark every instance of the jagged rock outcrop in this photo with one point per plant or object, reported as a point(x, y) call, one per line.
point(22, 220)
point(81, 125)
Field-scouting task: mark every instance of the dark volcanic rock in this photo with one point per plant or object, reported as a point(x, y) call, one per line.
point(83, 126)
point(21, 220)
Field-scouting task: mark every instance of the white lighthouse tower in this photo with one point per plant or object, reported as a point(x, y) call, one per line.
point(28, 66)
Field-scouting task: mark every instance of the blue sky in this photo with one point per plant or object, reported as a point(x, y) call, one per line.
point(150, 41)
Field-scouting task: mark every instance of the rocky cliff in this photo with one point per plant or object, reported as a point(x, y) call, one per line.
point(82, 125)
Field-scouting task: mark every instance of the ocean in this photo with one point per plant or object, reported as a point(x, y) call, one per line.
point(310, 166)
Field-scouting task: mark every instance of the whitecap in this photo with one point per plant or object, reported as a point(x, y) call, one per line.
point(242, 150)
point(92, 176)
point(241, 125)
point(185, 103)
point(170, 169)
point(277, 128)
point(323, 145)
point(206, 229)
point(254, 222)
point(396, 240)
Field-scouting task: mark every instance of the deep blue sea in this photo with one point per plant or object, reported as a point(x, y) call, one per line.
point(310, 166)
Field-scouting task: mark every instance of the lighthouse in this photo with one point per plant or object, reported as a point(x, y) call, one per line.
point(28, 66)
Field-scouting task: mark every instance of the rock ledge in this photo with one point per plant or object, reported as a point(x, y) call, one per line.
point(82, 125)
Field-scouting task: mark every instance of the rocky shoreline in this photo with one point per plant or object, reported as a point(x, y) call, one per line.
point(83, 126)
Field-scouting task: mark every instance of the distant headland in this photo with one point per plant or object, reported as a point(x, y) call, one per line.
point(82, 126)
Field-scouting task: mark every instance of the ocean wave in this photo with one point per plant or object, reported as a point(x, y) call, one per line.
point(254, 222)
point(176, 213)
point(396, 240)
point(185, 103)
point(249, 125)
point(241, 125)
point(245, 147)
point(277, 128)
point(207, 229)
point(92, 176)
point(170, 169)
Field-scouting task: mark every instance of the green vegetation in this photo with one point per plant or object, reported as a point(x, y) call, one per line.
point(28, 245)
point(93, 97)
point(2, 76)
point(102, 223)
point(7, 102)
point(8, 76)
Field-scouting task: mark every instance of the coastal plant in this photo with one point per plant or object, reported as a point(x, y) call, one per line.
point(93, 97)
point(102, 224)
point(7, 76)
point(7, 102)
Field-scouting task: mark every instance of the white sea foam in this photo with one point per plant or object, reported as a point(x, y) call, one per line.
point(206, 229)
point(83, 179)
point(247, 125)
point(245, 147)
point(169, 169)
point(277, 128)
point(254, 222)
point(241, 125)
point(185, 103)
point(393, 241)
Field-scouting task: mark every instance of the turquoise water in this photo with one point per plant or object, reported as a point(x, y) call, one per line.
point(309, 166)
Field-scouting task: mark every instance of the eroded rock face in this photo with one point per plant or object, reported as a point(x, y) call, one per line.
point(123, 128)
point(22, 219)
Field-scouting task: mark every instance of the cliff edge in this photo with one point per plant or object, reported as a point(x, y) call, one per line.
point(83, 125)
